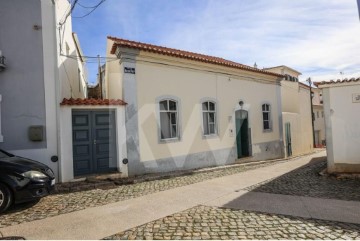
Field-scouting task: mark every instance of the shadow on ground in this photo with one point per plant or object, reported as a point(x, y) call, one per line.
point(306, 181)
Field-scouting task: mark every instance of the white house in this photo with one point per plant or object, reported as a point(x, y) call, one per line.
point(342, 113)
point(187, 110)
point(42, 66)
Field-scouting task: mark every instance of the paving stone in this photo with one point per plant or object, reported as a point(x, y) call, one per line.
point(306, 181)
point(286, 227)
point(57, 204)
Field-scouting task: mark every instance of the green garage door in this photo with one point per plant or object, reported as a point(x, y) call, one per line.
point(94, 142)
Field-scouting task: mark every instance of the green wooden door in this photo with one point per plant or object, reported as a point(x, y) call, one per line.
point(242, 133)
point(288, 139)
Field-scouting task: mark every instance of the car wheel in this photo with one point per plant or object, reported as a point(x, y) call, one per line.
point(5, 198)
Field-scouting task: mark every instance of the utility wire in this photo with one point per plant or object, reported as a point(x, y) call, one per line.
point(86, 6)
point(69, 13)
point(94, 8)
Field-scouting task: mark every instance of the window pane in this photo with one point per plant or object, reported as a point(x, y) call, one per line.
point(163, 105)
point(266, 125)
point(205, 106)
point(211, 128)
point(212, 117)
point(263, 107)
point(212, 106)
point(205, 124)
point(174, 131)
point(265, 116)
point(173, 118)
point(165, 125)
point(172, 105)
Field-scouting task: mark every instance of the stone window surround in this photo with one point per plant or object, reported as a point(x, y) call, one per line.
point(178, 103)
point(270, 118)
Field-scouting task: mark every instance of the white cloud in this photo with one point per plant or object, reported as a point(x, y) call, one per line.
point(319, 38)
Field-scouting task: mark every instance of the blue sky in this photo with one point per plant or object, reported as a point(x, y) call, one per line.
point(318, 38)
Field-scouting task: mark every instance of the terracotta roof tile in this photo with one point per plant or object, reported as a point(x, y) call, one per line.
point(79, 101)
point(338, 81)
point(183, 54)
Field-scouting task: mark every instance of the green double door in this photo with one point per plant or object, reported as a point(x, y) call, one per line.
point(94, 142)
point(242, 133)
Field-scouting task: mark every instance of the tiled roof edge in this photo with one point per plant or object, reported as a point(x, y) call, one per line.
point(91, 101)
point(338, 81)
point(184, 54)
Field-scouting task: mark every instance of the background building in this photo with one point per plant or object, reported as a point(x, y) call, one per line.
point(296, 112)
point(342, 114)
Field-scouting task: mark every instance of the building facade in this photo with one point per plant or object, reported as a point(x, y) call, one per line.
point(296, 112)
point(37, 75)
point(186, 110)
point(319, 118)
point(342, 114)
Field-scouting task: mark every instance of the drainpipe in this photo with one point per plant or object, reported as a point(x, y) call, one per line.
point(312, 111)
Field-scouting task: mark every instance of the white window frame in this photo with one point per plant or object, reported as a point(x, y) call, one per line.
point(178, 124)
point(1, 136)
point(209, 100)
point(269, 116)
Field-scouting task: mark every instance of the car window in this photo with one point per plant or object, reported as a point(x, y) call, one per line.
point(3, 155)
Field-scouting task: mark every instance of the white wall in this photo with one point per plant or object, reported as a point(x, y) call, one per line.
point(342, 127)
point(73, 84)
point(66, 151)
point(190, 87)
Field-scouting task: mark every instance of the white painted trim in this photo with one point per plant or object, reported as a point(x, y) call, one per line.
point(178, 101)
point(216, 134)
point(270, 117)
point(1, 136)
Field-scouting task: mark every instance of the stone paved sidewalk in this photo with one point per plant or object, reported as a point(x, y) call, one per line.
point(306, 181)
point(203, 222)
point(64, 203)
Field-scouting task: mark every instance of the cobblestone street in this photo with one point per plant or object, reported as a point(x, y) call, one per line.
point(64, 203)
point(203, 222)
point(306, 181)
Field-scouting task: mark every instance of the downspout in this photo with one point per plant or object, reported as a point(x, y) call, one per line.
point(57, 92)
point(281, 126)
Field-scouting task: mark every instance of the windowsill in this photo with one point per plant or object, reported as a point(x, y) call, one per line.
point(267, 131)
point(170, 140)
point(212, 136)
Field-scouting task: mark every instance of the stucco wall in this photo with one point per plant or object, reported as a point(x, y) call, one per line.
point(319, 123)
point(72, 71)
point(290, 96)
point(342, 128)
point(28, 85)
point(113, 75)
point(190, 83)
point(22, 83)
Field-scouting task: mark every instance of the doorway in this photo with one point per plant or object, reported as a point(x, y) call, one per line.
point(288, 139)
point(242, 133)
point(94, 142)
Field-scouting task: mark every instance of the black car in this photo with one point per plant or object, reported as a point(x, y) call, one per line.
point(23, 180)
